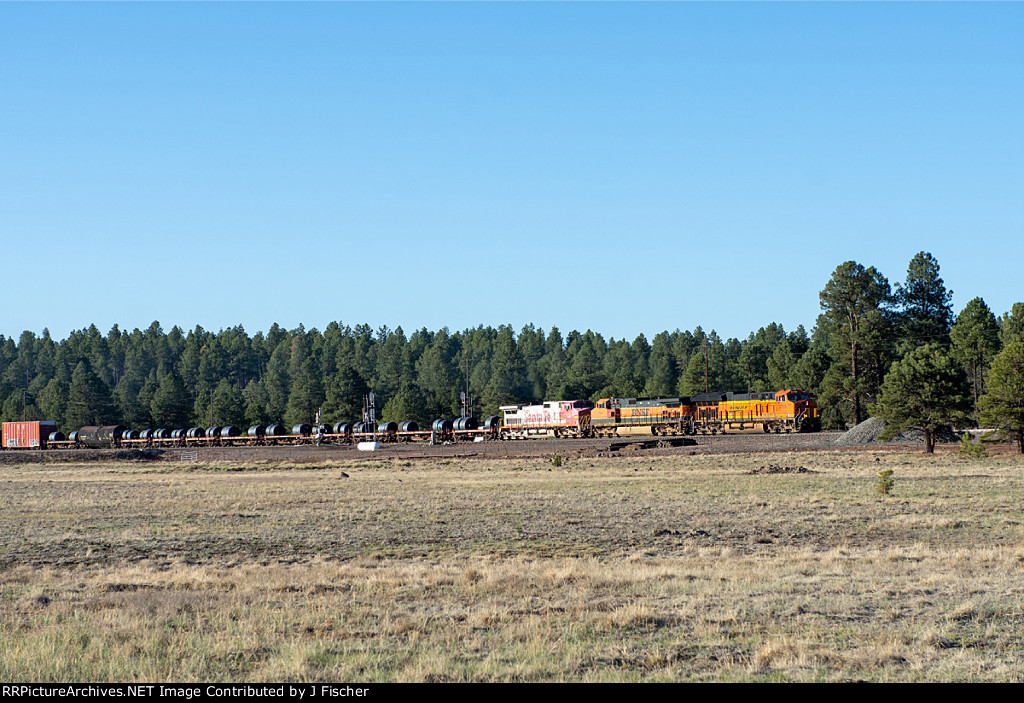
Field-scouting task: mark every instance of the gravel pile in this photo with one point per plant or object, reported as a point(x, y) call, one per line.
point(864, 433)
point(867, 433)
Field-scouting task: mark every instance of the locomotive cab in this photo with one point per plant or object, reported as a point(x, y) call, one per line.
point(576, 412)
point(800, 408)
point(606, 412)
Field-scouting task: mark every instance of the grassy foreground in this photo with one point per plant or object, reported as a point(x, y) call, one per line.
point(624, 569)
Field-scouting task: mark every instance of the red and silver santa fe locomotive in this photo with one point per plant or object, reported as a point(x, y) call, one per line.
point(557, 418)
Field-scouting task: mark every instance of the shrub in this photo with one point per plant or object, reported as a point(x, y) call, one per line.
point(969, 449)
point(885, 481)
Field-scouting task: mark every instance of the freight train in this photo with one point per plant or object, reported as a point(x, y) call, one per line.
point(708, 413)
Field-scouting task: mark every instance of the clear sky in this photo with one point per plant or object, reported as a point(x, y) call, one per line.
point(622, 167)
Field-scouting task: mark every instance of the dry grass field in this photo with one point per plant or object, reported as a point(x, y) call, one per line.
point(735, 567)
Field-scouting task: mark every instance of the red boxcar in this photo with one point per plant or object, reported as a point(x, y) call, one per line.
point(26, 435)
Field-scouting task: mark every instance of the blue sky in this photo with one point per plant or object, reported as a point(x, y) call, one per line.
point(622, 167)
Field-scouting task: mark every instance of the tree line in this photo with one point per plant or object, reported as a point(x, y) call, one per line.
point(153, 378)
point(899, 354)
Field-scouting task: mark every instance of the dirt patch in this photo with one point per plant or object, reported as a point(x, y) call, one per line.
point(775, 469)
point(80, 456)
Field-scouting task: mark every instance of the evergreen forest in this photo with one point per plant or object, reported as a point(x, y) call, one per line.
point(175, 378)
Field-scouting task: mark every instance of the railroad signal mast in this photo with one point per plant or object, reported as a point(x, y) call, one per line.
point(370, 413)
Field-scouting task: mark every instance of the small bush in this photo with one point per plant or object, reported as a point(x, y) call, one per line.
point(970, 449)
point(885, 481)
point(557, 461)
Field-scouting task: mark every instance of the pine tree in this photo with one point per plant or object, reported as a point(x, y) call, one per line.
point(585, 375)
point(663, 376)
point(809, 374)
point(129, 410)
point(145, 401)
point(1002, 406)
point(89, 399)
point(1011, 325)
point(307, 395)
point(344, 396)
point(925, 311)
point(438, 376)
point(855, 302)
point(171, 406)
point(508, 382)
point(926, 390)
point(975, 338)
point(256, 405)
point(531, 346)
point(407, 404)
point(393, 365)
point(53, 402)
point(781, 366)
point(755, 353)
point(730, 376)
point(621, 370)
point(552, 367)
point(692, 380)
point(228, 405)
point(19, 406)
point(277, 382)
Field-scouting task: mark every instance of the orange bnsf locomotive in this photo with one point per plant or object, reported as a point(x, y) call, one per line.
point(707, 413)
point(782, 411)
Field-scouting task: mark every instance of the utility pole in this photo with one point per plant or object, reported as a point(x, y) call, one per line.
point(467, 399)
point(706, 389)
